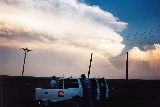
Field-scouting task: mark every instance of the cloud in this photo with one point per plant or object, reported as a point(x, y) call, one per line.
point(47, 63)
point(12, 34)
point(68, 28)
point(69, 22)
point(145, 63)
point(150, 54)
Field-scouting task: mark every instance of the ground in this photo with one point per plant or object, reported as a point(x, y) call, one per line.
point(16, 91)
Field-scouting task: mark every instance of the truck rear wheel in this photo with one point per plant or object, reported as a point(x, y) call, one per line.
point(76, 101)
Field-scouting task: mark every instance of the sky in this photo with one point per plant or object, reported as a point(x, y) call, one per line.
point(63, 33)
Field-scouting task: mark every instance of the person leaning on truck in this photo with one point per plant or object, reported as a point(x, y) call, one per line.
point(87, 91)
point(53, 82)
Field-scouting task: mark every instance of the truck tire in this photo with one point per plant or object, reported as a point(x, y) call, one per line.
point(76, 101)
point(46, 103)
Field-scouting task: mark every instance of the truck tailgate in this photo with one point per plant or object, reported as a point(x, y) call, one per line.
point(47, 94)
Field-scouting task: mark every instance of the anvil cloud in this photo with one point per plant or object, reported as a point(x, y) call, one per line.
point(59, 23)
point(61, 26)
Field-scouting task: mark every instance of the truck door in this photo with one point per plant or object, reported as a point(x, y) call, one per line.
point(71, 88)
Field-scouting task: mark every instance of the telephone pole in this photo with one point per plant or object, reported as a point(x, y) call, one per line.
point(127, 67)
point(25, 54)
point(90, 65)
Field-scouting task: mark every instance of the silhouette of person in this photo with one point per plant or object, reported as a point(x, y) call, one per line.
point(103, 89)
point(53, 82)
point(87, 90)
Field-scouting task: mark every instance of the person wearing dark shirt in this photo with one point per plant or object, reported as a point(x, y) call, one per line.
point(87, 91)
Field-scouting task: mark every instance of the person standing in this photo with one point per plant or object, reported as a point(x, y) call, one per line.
point(53, 82)
point(87, 91)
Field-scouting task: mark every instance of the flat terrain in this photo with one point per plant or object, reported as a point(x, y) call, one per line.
point(19, 92)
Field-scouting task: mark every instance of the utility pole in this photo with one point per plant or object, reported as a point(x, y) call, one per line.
point(127, 67)
point(25, 54)
point(90, 65)
point(127, 87)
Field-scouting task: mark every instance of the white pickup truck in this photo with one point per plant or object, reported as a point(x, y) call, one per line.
point(72, 89)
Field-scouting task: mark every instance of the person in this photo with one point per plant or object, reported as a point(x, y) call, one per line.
point(102, 89)
point(87, 91)
point(53, 82)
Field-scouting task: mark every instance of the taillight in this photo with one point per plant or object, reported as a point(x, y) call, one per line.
point(60, 94)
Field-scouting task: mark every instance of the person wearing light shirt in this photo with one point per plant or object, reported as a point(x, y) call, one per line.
point(53, 82)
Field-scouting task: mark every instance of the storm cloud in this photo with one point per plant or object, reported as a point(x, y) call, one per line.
point(62, 34)
point(69, 22)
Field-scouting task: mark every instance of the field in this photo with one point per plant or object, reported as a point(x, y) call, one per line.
point(16, 91)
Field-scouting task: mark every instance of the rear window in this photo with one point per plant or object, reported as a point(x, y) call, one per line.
point(68, 83)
